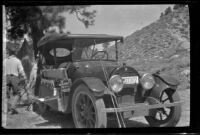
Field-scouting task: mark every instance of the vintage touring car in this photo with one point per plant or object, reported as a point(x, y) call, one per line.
point(80, 74)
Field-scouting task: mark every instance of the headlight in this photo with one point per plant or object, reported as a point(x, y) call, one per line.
point(116, 83)
point(147, 81)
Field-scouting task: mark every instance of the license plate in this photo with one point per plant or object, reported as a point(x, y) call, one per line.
point(130, 80)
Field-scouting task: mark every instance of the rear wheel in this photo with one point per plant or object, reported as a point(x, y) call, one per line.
point(168, 116)
point(86, 109)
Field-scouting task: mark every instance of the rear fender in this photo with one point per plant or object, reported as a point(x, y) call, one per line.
point(161, 84)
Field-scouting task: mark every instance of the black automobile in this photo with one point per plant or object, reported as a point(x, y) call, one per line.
point(80, 74)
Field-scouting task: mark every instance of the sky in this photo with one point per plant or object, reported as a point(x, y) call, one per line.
point(120, 20)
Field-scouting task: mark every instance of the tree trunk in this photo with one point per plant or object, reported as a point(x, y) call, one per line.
point(4, 93)
point(37, 34)
point(35, 40)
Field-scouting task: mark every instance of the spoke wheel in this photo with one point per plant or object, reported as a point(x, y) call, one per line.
point(167, 116)
point(84, 110)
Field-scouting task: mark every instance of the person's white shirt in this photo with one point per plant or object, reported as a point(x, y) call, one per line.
point(14, 66)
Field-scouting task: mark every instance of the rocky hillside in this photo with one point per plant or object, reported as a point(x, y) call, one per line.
point(163, 46)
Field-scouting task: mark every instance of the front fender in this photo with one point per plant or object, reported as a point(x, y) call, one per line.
point(163, 82)
point(167, 79)
point(94, 84)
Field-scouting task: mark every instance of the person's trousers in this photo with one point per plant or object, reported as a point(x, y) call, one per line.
point(13, 81)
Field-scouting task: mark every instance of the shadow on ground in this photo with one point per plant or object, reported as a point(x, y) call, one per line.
point(128, 123)
point(53, 118)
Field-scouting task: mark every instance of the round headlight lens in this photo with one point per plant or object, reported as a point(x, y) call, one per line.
point(116, 83)
point(147, 81)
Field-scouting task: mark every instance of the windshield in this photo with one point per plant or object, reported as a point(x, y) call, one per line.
point(96, 51)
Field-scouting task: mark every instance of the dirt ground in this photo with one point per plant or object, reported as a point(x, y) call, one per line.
point(28, 119)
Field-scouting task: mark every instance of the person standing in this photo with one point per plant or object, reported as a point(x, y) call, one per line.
point(14, 74)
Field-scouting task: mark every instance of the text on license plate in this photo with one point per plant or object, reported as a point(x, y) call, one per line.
point(130, 80)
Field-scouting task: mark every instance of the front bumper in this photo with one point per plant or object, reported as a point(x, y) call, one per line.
point(139, 109)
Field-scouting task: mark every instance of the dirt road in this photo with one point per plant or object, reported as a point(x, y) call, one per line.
point(27, 119)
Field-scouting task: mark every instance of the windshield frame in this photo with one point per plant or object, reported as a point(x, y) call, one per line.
point(112, 60)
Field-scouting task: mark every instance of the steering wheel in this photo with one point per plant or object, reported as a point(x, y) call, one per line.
point(96, 57)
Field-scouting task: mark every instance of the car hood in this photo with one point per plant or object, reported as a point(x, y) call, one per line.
point(94, 68)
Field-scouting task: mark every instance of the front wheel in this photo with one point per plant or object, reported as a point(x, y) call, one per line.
point(86, 109)
point(168, 116)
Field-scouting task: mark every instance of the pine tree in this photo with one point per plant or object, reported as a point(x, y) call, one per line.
point(34, 20)
point(161, 15)
point(168, 11)
point(177, 6)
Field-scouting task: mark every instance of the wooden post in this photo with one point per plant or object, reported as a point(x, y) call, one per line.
point(4, 93)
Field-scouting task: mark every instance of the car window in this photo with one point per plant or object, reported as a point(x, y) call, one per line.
point(105, 51)
point(95, 51)
point(60, 52)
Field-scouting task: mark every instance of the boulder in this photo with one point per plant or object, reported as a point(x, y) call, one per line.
point(185, 72)
point(185, 45)
point(174, 56)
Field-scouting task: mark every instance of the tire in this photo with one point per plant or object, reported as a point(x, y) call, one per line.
point(172, 117)
point(86, 109)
